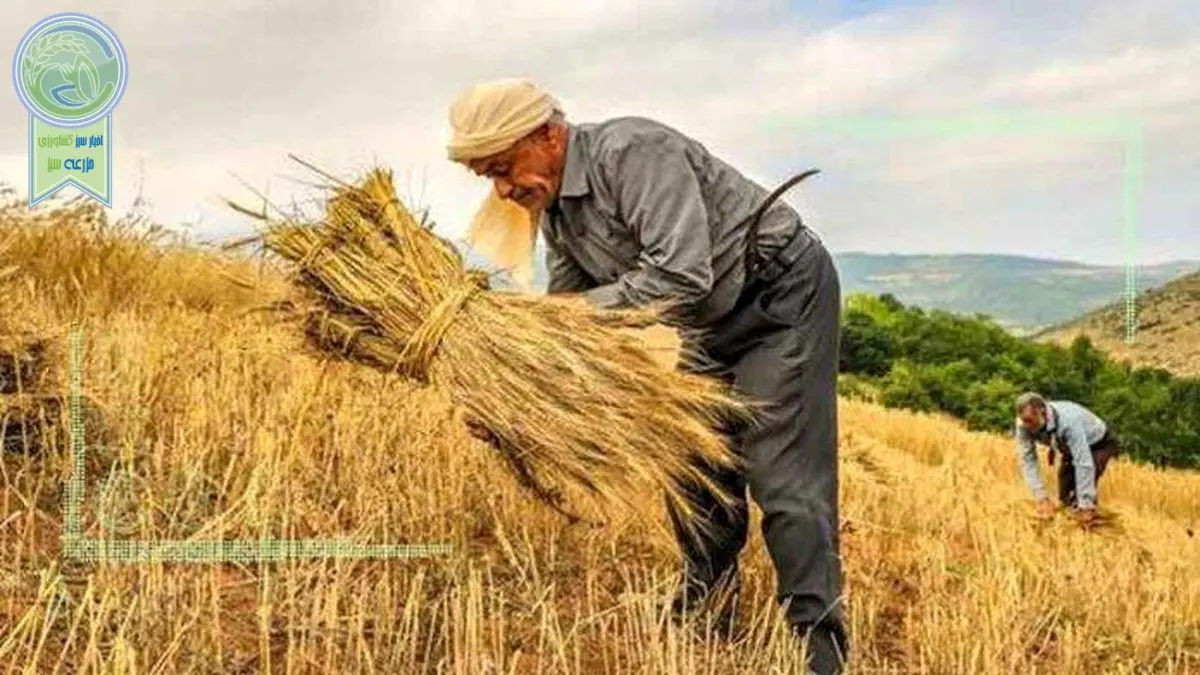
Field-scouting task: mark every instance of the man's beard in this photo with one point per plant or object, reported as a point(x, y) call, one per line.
point(504, 232)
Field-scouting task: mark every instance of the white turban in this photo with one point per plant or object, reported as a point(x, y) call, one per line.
point(490, 117)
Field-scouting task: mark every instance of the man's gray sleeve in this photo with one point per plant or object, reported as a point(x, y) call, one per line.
point(1085, 468)
point(658, 196)
point(1027, 452)
point(565, 275)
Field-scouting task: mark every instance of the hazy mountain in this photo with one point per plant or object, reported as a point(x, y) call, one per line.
point(1022, 293)
point(1019, 292)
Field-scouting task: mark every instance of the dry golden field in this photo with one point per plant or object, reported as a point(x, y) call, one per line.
point(208, 422)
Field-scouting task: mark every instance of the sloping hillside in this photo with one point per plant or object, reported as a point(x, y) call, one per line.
point(1168, 334)
point(209, 422)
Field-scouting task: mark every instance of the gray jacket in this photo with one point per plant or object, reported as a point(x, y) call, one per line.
point(646, 214)
point(1076, 429)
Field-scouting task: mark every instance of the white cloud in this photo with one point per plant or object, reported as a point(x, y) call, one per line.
point(233, 86)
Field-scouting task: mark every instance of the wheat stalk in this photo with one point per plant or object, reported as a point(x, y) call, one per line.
point(38, 59)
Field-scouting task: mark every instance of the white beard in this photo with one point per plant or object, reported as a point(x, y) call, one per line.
point(504, 232)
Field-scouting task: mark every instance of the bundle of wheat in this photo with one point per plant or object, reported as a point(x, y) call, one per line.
point(567, 395)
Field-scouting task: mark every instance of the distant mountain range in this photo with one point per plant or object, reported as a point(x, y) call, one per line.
point(1021, 293)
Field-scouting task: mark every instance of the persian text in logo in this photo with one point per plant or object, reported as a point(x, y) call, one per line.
point(70, 71)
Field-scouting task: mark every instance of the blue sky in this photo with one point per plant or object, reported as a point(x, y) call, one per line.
point(853, 9)
point(354, 82)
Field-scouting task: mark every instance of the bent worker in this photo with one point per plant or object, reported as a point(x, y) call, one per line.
point(1084, 442)
point(636, 213)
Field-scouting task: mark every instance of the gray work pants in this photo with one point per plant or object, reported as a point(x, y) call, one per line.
point(780, 346)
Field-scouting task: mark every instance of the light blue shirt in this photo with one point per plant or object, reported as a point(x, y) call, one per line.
point(1076, 428)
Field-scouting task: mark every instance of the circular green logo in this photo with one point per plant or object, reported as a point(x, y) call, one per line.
point(70, 70)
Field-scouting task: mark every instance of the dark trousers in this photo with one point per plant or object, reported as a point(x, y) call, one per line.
point(1102, 451)
point(780, 346)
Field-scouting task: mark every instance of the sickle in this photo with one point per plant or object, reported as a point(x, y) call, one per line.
point(752, 237)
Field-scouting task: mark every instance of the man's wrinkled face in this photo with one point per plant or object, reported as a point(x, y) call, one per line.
point(528, 173)
point(1032, 418)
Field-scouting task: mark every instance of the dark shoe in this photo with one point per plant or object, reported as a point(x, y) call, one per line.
point(826, 650)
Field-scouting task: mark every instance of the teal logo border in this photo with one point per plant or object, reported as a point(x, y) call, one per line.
point(90, 171)
point(37, 31)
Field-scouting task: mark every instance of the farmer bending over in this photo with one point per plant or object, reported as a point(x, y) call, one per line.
point(1083, 440)
point(634, 213)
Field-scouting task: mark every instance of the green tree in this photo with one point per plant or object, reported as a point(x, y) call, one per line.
point(867, 348)
point(989, 404)
point(903, 388)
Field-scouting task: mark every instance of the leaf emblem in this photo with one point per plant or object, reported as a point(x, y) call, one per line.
point(87, 78)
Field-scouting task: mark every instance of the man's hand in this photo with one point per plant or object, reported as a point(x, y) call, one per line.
point(1086, 517)
point(661, 342)
point(1045, 509)
point(575, 299)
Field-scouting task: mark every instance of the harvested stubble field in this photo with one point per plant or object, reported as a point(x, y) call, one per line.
point(209, 422)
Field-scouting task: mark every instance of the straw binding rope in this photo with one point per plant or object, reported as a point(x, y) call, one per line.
point(421, 348)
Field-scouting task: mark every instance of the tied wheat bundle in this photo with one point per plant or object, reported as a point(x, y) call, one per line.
point(568, 397)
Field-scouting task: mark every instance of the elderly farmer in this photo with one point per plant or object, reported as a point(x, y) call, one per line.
point(1084, 441)
point(635, 213)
